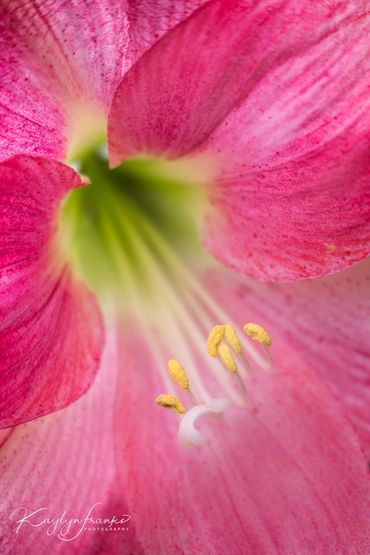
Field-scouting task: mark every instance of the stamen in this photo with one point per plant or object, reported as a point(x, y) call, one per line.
point(214, 339)
point(270, 362)
point(247, 367)
point(188, 434)
point(229, 361)
point(177, 373)
point(232, 338)
point(170, 402)
point(257, 333)
point(227, 358)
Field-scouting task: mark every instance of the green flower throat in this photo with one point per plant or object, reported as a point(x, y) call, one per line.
point(132, 228)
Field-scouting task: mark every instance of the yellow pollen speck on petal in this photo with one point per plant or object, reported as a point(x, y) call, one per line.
point(227, 358)
point(232, 338)
point(215, 337)
point(170, 402)
point(258, 333)
point(330, 247)
point(177, 373)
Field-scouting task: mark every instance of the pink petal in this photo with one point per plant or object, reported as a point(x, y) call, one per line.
point(284, 475)
point(65, 462)
point(31, 117)
point(326, 321)
point(50, 326)
point(57, 57)
point(305, 218)
point(276, 93)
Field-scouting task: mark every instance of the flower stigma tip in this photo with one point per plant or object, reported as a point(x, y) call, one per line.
point(170, 402)
point(257, 333)
point(227, 358)
point(215, 337)
point(177, 373)
point(188, 434)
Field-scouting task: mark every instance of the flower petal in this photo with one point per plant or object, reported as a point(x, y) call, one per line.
point(284, 475)
point(50, 325)
point(325, 320)
point(58, 58)
point(32, 119)
point(275, 92)
point(306, 218)
point(65, 463)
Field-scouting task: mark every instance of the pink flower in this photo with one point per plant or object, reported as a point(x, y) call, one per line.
point(260, 111)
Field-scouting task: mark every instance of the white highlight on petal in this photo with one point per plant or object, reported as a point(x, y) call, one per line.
point(103, 152)
point(76, 166)
point(188, 433)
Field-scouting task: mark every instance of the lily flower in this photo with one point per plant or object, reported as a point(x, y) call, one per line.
point(238, 138)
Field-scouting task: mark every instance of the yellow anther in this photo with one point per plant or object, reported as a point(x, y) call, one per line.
point(170, 402)
point(215, 337)
point(227, 358)
point(258, 333)
point(232, 338)
point(177, 373)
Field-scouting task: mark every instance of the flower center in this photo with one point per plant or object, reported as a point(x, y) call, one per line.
point(125, 232)
point(133, 236)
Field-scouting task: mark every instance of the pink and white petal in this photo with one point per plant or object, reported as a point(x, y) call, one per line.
point(210, 67)
point(283, 208)
point(150, 20)
point(326, 321)
point(284, 475)
point(65, 463)
point(32, 119)
point(275, 93)
point(302, 103)
point(68, 56)
point(50, 326)
point(305, 218)
point(75, 48)
point(61, 62)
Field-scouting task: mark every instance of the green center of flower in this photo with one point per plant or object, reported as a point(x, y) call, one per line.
point(133, 236)
point(131, 228)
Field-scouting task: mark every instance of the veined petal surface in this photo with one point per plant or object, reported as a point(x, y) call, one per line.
point(64, 463)
point(285, 474)
point(277, 94)
point(50, 326)
point(326, 322)
point(60, 62)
